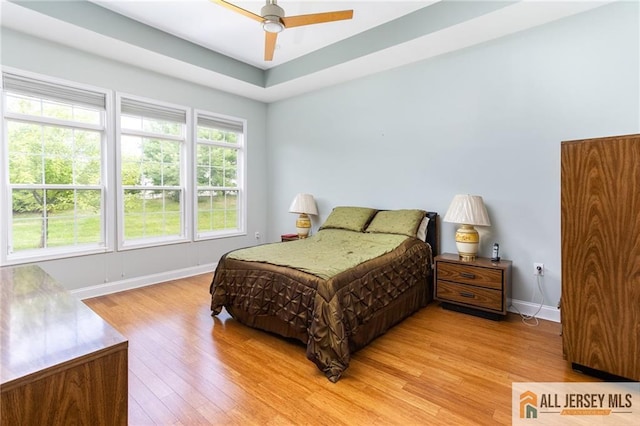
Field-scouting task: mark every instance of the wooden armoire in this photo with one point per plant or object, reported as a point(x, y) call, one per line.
point(600, 229)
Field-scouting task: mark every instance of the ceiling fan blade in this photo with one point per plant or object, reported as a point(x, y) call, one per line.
point(269, 45)
point(238, 9)
point(316, 18)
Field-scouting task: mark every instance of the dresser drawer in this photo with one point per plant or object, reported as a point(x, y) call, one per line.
point(469, 295)
point(473, 275)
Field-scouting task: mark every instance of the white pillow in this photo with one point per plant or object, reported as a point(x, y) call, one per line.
point(422, 229)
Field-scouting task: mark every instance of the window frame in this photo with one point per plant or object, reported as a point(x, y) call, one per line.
point(185, 179)
point(7, 255)
point(241, 159)
point(110, 186)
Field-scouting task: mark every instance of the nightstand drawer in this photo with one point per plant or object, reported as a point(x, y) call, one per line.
point(473, 275)
point(469, 295)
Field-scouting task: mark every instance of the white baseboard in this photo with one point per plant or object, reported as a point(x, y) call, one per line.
point(131, 283)
point(550, 313)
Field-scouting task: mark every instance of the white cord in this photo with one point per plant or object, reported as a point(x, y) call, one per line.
point(526, 318)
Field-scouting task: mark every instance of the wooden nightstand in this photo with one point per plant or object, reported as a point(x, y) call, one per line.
point(289, 237)
point(480, 287)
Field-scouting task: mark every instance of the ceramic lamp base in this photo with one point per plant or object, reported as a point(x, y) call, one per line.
point(467, 239)
point(303, 225)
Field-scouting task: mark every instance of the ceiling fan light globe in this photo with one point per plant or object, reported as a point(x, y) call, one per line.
point(272, 25)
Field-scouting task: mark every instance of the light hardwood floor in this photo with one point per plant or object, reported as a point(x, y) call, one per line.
point(436, 367)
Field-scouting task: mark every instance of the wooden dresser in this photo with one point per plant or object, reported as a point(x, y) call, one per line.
point(600, 229)
point(61, 363)
point(481, 287)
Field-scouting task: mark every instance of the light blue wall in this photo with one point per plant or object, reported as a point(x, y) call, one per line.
point(36, 55)
point(487, 120)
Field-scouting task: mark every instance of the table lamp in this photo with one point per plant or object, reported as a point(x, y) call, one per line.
point(304, 205)
point(467, 210)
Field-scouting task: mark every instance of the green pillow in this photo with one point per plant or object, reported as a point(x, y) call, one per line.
point(349, 218)
point(403, 222)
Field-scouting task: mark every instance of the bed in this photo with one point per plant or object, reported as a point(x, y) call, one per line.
point(364, 271)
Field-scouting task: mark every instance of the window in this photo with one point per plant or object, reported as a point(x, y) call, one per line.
point(73, 180)
point(55, 149)
point(219, 178)
point(152, 154)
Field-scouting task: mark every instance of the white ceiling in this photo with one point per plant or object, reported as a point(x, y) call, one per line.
point(291, 73)
point(217, 28)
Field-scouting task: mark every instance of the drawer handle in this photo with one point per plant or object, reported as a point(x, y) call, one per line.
point(465, 294)
point(467, 275)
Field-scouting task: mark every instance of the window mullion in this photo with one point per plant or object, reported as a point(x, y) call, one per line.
point(54, 187)
point(25, 118)
point(220, 144)
point(152, 135)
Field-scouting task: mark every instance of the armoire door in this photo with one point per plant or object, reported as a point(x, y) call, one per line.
point(600, 231)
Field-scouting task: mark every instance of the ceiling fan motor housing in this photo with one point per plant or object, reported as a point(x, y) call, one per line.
point(272, 11)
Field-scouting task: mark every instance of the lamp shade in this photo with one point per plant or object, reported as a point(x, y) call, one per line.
point(304, 203)
point(468, 210)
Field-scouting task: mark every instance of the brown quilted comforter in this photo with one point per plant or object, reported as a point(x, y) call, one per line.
point(334, 316)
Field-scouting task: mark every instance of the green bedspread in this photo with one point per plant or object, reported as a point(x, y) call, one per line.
point(325, 254)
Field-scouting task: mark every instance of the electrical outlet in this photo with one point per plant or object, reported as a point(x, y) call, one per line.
point(257, 235)
point(538, 269)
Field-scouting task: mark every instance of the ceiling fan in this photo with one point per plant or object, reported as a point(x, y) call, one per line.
point(273, 21)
